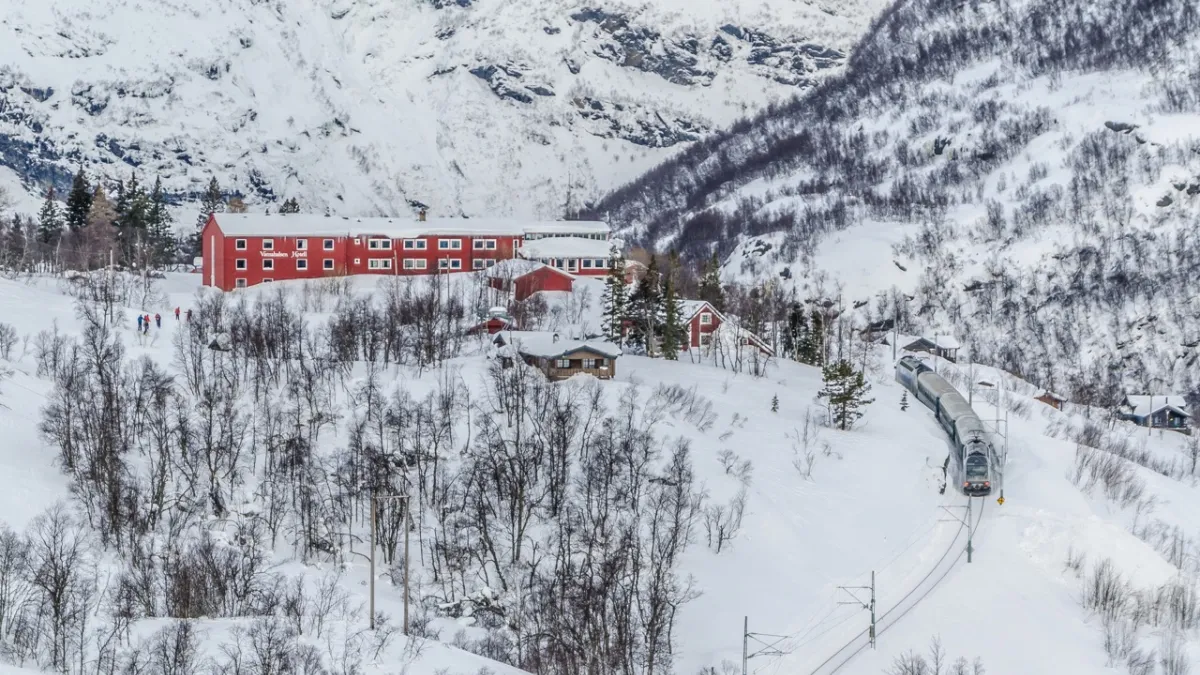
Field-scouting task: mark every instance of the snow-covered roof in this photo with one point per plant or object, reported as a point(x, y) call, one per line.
point(692, 307)
point(567, 227)
point(314, 225)
point(1143, 405)
point(542, 344)
point(1046, 393)
point(942, 341)
point(566, 247)
point(516, 267)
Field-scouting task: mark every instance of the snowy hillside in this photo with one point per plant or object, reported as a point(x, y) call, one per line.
point(583, 526)
point(366, 107)
point(1026, 171)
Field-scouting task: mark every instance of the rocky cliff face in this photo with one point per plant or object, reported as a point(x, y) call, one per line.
point(369, 106)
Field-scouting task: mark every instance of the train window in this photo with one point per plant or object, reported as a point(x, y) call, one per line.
point(976, 467)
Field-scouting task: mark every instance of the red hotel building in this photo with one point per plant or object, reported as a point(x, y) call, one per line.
point(244, 249)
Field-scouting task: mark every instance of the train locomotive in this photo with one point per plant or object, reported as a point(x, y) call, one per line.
point(973, 459)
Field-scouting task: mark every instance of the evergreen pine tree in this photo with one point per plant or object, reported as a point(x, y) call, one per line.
point(289, 205)
point(158, 227)
point(812, 343)
point(121, 204)
point(904, 400)
point(133, 209)
point(614, 300)
point(235, 205)
point(710, 284)
point(212, 202)
point(775, 403)
point(50, 221)
point(16, 243)
point(645, 309)
point(79, 202)
point(797, 331)
point(845, 392)
point(672, 311)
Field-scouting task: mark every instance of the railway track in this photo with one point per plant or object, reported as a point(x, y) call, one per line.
point(910, 600)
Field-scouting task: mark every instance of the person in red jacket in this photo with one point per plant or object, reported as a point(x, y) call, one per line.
point(176, 313)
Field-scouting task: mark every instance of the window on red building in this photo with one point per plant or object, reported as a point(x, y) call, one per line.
point(329, 263)
point(268, 244)
point(239, 244)
point(268, 264)
point(301, 264)
point(328, 244)
point(240, 264)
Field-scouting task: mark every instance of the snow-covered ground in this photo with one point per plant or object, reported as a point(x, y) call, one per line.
point(868, 502)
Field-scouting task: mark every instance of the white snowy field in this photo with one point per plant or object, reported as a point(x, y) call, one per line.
point(868, 502)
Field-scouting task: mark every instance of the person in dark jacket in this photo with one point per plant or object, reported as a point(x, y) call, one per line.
point(139, 323)
point(189, 315)
point(157, 320)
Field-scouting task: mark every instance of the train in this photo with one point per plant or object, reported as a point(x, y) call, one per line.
point(972, 463)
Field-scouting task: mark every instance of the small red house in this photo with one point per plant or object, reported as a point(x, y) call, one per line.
point(526, 277)
point(702, 320)
point(496, 321)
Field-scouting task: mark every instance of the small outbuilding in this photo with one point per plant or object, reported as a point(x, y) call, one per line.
point(560, 358)
point(944, 346)
point(1166, 411)
point(1051, 399)
point(523, 278)
point(497, 319)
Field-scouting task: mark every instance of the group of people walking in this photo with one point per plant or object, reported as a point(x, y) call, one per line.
point(144, 320)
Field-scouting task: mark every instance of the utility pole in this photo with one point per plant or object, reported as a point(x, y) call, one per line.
point(966, 523)
point(407, 565)
point(869, 605)
point(768, 648)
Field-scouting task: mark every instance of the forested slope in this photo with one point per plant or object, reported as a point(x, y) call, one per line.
point(1035, 163)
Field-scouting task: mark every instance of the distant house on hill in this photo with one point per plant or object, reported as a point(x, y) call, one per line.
point(1051, 399)
point(944, 346)
point(561, 358)
point(523, 278)
point(879, 328)
point(705, 323)
point(497, 319)
point(702, 320)
point(1165, 412)
point(634, 271)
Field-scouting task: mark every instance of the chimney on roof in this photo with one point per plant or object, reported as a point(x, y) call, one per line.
point(421, 215)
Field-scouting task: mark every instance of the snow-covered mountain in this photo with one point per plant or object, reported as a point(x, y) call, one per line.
point(473, 107)
point(1026, 171)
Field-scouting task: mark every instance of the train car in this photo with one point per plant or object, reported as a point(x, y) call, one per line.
point(974, 460)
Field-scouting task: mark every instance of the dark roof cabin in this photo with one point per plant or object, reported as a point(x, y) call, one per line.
point(562, 358)
point(1051, 399)
point(1165, 411)
point(944, 346)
